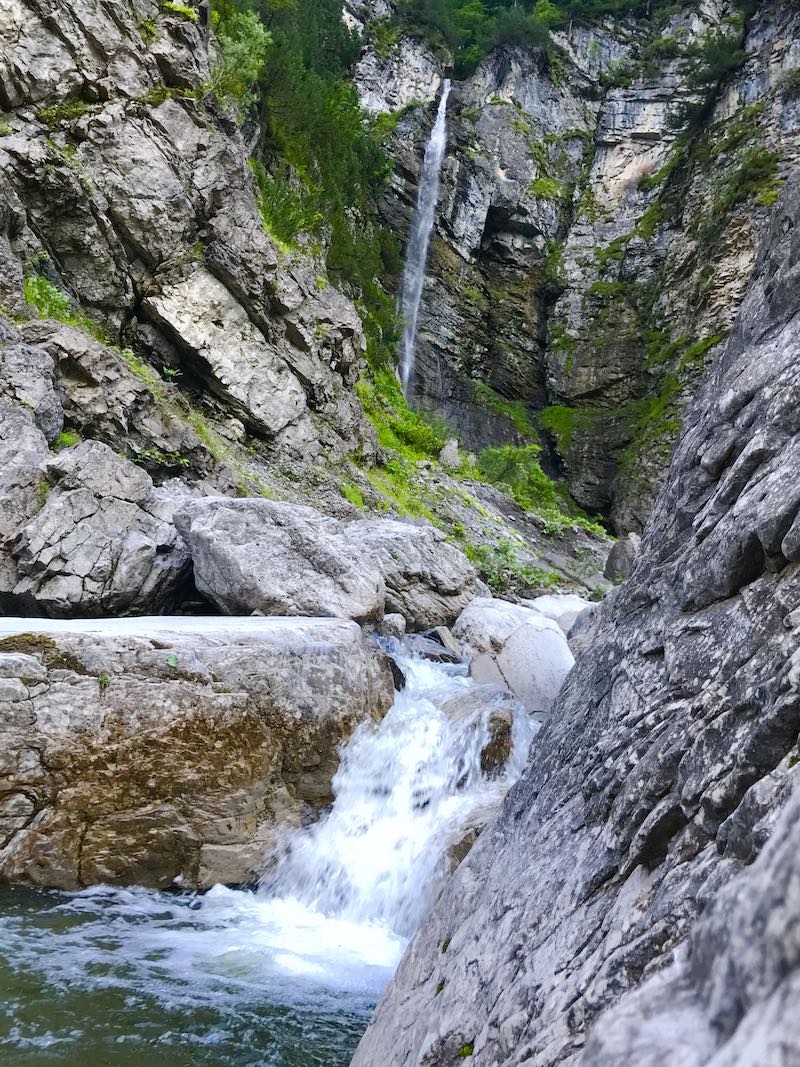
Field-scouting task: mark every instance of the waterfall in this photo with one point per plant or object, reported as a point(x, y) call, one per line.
point(405, 791)
point(419, 238)
point(286, 973)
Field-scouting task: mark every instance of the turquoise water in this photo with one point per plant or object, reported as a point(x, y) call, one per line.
point(134, 977)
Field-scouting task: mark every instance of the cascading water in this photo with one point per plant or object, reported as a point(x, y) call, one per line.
point(284, 975)
point(419, 239)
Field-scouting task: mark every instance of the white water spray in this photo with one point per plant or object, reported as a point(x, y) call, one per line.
point(419, 239)
point(291, 970)
point(406, 791)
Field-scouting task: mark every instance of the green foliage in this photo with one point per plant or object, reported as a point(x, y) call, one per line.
point(67, 438)
point(383, 35)
point(154, 457)
point(546, 189)
point(755, 179)
point(410, 434)
point(353, 494)
point(562, 422)
point(466, 1050)
point(53, 303)
point(66, 112)
point(469, 29)
point(243, 45)
point(518, 469)
point(148, 31)
point(320, 161)
point(103, 681)
point(176, 7)
point(712, 58)
point(514, 410)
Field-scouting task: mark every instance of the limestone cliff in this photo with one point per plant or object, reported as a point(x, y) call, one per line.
point(126, 186)
point(636, 900)
point(591, 250)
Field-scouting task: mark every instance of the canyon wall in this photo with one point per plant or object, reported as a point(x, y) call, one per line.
point(636, 900)
point(590, 254)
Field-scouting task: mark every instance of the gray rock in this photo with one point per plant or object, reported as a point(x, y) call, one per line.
point(492, 707)
point(449, 456)
point(622, 557)
point(393, 625)
point(280, 559)
point(144, 210)
point(102, 541)
point(26, 376)
point(515, 647)
point(285, 559)
point(144, 751)
point(432, 650)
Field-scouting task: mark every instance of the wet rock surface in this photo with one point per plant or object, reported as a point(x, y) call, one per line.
point(145, 751)
point(631, 902)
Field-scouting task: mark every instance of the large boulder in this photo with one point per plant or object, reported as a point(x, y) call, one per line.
point(101, 541)
point(516, 647)
point(149, 750)
point(23, 450)
point(285, 559)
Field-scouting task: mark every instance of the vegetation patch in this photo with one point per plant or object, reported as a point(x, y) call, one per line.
point(66, 112)
point(353, 494)
point(516, 411)
point(176, 7)
point(50, 302)
point(66, 439)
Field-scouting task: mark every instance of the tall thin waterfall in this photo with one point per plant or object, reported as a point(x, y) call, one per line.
point(419, 239)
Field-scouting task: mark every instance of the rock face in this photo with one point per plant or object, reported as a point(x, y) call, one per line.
point(516, 647)
point(123, 183)
point(633, 901)
point(148, 750)
point(585, 262)
point(102, 541)
point(285, 559)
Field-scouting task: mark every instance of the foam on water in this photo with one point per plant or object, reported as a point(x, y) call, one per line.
point(298, 962)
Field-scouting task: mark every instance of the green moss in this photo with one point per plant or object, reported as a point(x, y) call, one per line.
point(148, 31)
point(353, 494)
point(52, 303)
point(756, 179)
point(66, 112)
point(155, 458)
point(466, 1050)
point(562, 422)
point(514, 410)
point(393, 483)
point(546, 189)
point(413, 435)
point(179, 8)
point(67, 438)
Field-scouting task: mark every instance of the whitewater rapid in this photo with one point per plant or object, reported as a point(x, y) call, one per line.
point(286, 973)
